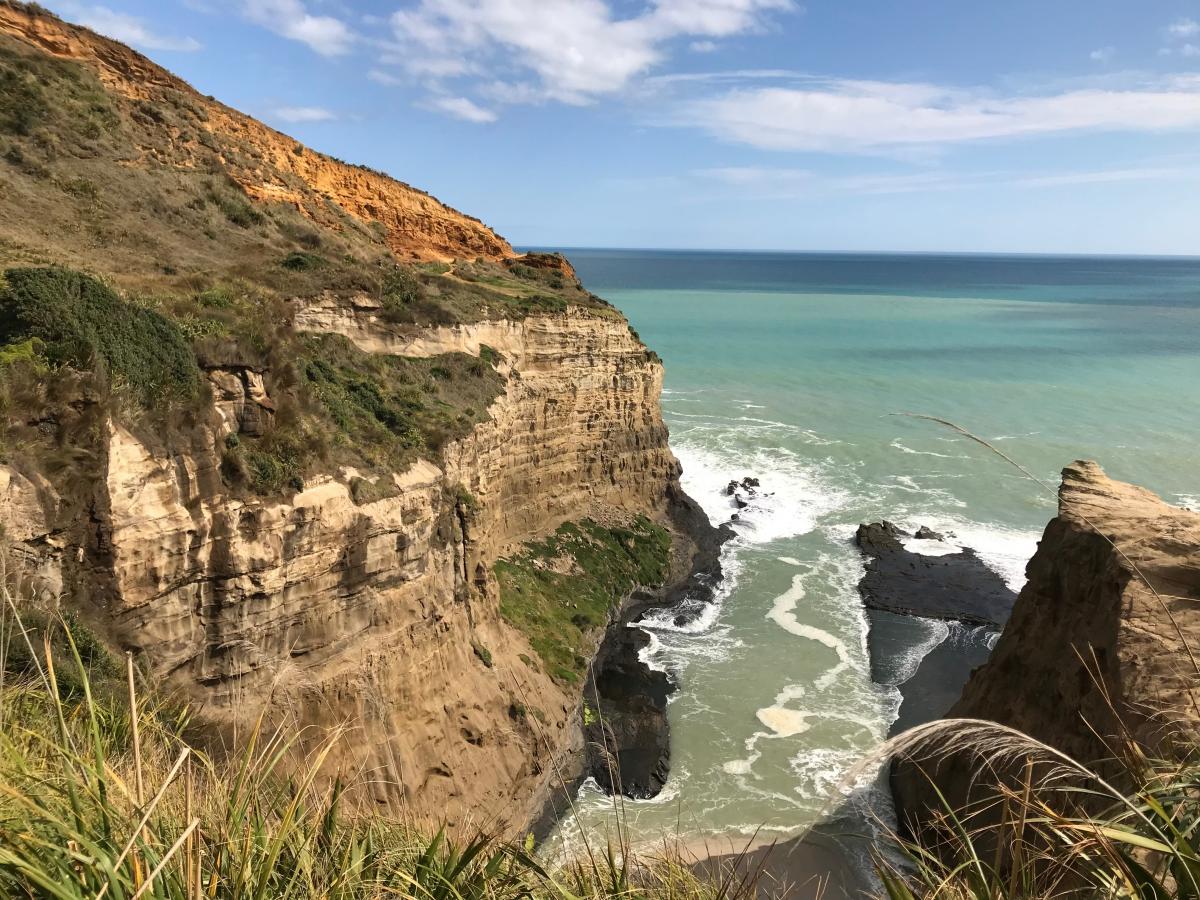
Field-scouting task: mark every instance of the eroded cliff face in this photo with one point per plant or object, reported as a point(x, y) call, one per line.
point(381, 616)
point(269, 166)
point(1103, 639)
point(211, 521)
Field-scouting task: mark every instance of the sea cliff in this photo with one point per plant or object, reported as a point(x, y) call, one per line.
point(368, 406)
point(1099, 653)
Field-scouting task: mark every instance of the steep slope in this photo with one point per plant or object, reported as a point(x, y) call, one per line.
point(1104, 637)
point(184, 130)
point(258, 445)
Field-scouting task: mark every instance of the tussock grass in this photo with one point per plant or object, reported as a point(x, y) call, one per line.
point(1050, 826)
point(101, 796)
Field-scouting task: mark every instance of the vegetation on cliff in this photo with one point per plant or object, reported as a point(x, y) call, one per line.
point(152, 235)
point(333, 404)
point(560, 591)
point(143, 181)
point(1047, 825)
point(79, 322)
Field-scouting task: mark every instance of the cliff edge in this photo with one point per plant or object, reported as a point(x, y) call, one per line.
point(1103, 640)
point(177, 127)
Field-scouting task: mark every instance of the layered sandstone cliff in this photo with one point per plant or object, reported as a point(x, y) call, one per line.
point(1103, 641)
point(299, 513)
point(320, 611)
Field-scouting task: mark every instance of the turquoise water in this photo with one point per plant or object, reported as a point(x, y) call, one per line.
point(791, 368)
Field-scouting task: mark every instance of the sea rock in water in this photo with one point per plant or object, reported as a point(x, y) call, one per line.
point(955, 586)
point(748, 484)
point(629, 738)
point(1100, 642)
point(925, 533)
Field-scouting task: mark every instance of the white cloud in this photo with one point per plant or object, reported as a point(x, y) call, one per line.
point(385, 78)
point(462, 108)
point(1107, 176)
point(702, 46)
point(1184, 28)
point(1102, 54)
point(126, 28)
point(574, 50)
point(290, 19)
point(303, 114)
point(790, 183)
point(869, 116)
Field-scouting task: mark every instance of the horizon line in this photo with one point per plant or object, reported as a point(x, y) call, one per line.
point(1194, 255)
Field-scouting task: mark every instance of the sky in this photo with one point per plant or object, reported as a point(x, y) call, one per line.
point(1068, 126)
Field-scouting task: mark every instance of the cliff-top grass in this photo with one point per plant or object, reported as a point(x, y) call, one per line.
point(148, 195)
point(560, 591)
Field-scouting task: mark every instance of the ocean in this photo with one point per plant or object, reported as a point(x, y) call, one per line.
point(793, 368)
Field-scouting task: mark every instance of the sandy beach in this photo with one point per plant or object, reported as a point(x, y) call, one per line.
point(809, 866)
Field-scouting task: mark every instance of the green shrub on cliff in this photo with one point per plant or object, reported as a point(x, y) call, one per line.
point(559, 592)
point(82, 323)
point(22, 102)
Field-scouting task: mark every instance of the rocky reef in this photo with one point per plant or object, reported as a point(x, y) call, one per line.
point(935, 582)
point(1101, 645)
point(956, 586)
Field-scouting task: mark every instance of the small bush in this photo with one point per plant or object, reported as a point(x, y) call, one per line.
point(401, 288)
point(216, 298)
point(235, 207)
point(302, 262)
point(484, 654)
point(301, 234)
point(80, 188)
point(24, 353)
point(22, 102)
point(490, 355)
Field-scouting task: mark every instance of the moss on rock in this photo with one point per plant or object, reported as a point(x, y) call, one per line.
point(560, 591)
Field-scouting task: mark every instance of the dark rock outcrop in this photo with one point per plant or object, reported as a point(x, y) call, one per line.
point(626, 728)
point(956, 586)
point(629, 738)
point(1102, 641)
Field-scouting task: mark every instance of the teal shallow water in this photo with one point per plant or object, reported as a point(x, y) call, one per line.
point(790, 368)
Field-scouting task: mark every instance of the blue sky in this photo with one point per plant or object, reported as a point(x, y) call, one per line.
point(1060, 126)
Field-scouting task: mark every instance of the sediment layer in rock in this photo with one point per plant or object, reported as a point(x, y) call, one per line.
point(325, 612)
